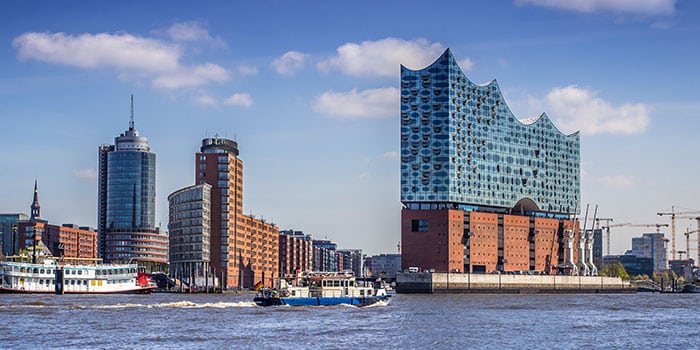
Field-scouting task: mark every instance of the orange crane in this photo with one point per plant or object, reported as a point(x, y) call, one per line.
point(658, 244)
point(673, 214)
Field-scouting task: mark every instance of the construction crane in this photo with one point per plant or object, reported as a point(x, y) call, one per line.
point(607, 233)
point(607, 239)
point(673, 214)
point(657, 240)
point(687, 243)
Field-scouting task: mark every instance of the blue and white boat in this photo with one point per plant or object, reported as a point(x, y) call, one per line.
point(321, 289)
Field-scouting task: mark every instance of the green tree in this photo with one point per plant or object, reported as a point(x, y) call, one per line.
point(614, 270)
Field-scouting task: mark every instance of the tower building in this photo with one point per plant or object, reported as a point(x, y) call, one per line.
point(481, 190)
point(243, 250)
point(126, 201)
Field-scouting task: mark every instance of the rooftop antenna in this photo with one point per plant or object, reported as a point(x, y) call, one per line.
point(131, 120)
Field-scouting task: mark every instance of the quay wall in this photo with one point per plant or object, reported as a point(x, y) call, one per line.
point(515, 284)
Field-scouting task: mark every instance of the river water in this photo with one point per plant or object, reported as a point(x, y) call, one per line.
point(199, 321)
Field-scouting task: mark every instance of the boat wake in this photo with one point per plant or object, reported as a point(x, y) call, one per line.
point(172, 305)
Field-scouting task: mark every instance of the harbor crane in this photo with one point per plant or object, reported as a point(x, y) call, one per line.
point(657, 240)
point(673, 214)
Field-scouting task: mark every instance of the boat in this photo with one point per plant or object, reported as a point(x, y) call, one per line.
point(320, 289)
point(73, 276)
point(690, 288)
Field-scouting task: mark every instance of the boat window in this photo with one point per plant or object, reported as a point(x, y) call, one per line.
point(72, 282)
point(336, 283)
point(53, 282)
point(41, 271)
point(85, 282)
point(352, 283)
point(80, 272)
point(36, 270)
point(41, 281)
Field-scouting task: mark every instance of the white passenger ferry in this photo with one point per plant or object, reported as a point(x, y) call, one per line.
point(75, 276)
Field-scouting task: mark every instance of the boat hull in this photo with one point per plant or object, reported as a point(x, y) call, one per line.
point(140, 290)
point(319, 301)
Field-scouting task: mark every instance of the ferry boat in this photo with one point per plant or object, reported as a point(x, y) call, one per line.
point(74, 276)
point(320, 289)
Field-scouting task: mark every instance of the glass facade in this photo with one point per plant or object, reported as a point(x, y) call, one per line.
point(461, 146)
point(131, 190)
point(8, 237)
point(189, 224)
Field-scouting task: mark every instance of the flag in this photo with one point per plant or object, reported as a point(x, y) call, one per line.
point(258, 285)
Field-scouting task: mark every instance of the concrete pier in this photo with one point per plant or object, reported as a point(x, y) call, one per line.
point(458, 283)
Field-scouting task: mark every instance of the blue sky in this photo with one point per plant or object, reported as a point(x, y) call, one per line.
point(310, 92)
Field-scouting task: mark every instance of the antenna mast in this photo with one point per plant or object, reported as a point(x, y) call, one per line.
point(131, 120)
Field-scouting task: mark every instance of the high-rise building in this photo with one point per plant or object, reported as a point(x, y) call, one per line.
point(8, 232)
point(190, 233)
point(384, 265)
point(127, 202)
point(244, 249)
point(482, 190)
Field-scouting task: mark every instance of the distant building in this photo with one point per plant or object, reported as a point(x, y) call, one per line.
point(598, 247)
point(482, 191)
point(634, 265)
point(653, 246)
point(295, 252)
point(683, 268)
point(350, 259)
point(190, 232)
point(127, 202)
point(384, 265)
point(324, 256)
point(8, 232)
point(67, 240)
point(244, 249)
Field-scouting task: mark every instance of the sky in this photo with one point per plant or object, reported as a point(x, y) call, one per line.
point(310, 91)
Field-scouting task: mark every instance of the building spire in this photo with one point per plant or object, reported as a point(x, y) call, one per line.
point(131, 120)
point(35, 204)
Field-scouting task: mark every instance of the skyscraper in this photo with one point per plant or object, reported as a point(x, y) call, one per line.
point(477, 184)
point(243, 249)
point(126, 201)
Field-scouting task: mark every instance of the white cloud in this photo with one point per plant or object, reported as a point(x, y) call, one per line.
point(391, 155)
point(620, 181)
point(86, 174)
point(573, 108)
point(188, 31)
point(289, 63)
point(644, 7)
point(466, 64)
point(131, 56)
point(373, 103)
point(384, 57)
point(363, 176)
point(247, 70)
point(239, 99)
point(206, 100)
point(191, 76)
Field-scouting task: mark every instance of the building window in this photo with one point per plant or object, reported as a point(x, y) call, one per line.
point(419, 225)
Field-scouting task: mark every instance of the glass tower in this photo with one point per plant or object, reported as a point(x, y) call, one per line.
point(462, 148)
point(127, 195)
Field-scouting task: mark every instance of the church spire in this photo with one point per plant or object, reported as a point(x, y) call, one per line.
point(35, 204)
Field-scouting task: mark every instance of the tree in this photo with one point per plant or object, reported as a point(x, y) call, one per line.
point(614, 270)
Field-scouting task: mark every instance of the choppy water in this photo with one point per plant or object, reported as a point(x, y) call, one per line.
point(659, 321)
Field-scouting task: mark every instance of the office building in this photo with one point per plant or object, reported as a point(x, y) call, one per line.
point(383, 265)
point(243, 249)
point(8, 232)
point(190, 233)
point(483, 191)
point(653, 246)
point(634, 265)
point(295, 252)
point(351, 260)
point(127, 202)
